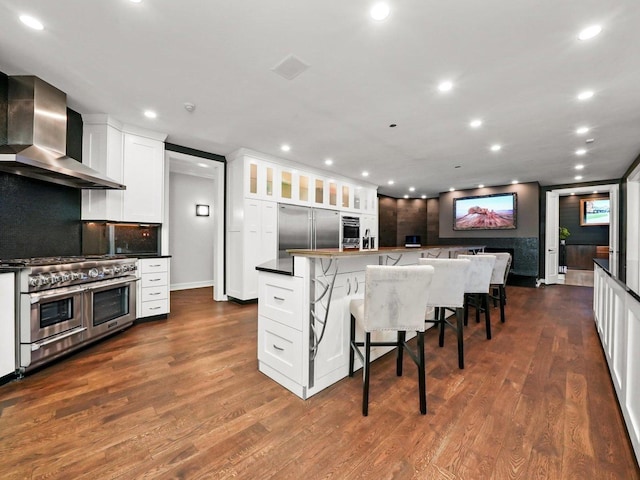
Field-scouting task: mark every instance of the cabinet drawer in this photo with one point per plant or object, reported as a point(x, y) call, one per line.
point(282, 301)
point(154, 307)
point(280, 347)
point(154, 293)
point(154, 279)
point(154, 265)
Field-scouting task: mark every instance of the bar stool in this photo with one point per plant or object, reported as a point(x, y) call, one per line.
point(395, 299)
point(447, 293)
point(477, 287)
point(499, 279)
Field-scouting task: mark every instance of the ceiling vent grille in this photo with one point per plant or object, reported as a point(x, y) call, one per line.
point(290, 67)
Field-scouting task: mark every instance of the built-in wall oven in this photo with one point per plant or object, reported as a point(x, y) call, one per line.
point(350, 232)
point(67, 302)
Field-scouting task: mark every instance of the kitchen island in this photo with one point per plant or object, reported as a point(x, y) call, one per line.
point(303, 311)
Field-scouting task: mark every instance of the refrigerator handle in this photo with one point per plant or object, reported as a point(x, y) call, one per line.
point(312, 228)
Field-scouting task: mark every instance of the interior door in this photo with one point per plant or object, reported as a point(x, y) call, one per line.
point(551, 239)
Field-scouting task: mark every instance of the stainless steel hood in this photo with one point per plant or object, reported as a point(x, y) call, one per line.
point(37, 136)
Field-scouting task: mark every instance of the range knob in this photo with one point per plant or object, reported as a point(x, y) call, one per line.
point(107, 271)
point(44, 279)
point(55, 278)
point(65, 277)
point(116, 269)
point(34, 281)
point(93, 273)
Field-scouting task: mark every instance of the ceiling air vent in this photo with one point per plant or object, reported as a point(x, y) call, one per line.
point(290, 67)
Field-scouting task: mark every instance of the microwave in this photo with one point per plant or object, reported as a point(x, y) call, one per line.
point(350, 232)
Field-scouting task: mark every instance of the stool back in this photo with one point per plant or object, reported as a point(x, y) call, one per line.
point(501, 267)
point(396, 297)
point(479, 274)
point(449, 279)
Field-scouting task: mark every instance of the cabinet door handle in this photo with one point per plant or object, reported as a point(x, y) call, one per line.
point(348, 286)
point(280, 349)
point(278, 298)
point(357, 284)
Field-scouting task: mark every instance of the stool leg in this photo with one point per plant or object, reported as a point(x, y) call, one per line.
point(502, 295)
point(466, 309)
point(459, 321)
point(365, 386)
point(401, 338)
point(441, 324)
point(487, 315)
point(352, 339)
point(478, 302)
point(421, 375)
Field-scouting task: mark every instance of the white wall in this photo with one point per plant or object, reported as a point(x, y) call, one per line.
point(190, 237)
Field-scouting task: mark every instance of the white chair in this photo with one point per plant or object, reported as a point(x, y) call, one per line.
point(446, 293)
point(395, 298)
point(499, 279)
point(477, 287)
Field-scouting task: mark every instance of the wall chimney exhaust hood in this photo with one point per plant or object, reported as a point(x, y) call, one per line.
point(36, 134)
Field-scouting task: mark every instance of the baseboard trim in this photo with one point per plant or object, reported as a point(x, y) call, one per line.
point(187, 286)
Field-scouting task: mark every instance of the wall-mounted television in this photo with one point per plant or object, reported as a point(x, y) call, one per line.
point(594, 211)
point(485, 212)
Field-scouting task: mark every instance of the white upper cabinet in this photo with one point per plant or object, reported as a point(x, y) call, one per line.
point(129, 155)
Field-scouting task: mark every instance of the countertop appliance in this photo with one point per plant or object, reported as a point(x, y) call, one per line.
point(307, 228)
point(66, 302)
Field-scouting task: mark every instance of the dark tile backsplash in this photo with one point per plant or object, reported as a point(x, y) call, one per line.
point(38, 218)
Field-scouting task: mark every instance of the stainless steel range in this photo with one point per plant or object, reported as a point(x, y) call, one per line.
point(67, 302)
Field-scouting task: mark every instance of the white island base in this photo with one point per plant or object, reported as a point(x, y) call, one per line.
point(303, 313)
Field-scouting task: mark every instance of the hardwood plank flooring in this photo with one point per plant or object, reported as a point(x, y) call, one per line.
point(182, 399)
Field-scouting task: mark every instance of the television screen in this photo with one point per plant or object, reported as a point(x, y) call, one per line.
point(594, 212)
point(485, 212)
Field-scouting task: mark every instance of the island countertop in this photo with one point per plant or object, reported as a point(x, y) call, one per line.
point(336, 252)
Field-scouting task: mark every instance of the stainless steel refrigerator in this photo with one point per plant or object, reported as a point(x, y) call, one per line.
point(305, 227)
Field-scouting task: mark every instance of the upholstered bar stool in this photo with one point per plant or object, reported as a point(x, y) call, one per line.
point(395, 299)
point(499, 279)
point(447, 293)
point(477, 287)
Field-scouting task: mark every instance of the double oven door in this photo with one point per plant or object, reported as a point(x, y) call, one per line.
point(56, 321)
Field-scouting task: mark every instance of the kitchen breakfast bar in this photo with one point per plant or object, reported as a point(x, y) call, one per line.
point(303, 311)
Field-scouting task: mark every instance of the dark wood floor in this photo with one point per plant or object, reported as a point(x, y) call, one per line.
point(182, 398)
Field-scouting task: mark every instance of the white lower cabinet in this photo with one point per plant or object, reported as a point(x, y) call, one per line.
point(153, 287)
point(7, 324)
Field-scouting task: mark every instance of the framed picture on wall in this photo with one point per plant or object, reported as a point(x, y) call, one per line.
point(485, 212)
point(594, 212)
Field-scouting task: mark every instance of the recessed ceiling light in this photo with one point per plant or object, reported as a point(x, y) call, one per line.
point(475, 123)
point(390, 182)
point(452, 189)
point(578, 177)
point(150, 114)
point(586, 95)
point(412, 189)
point(379, 11)
point(582, 130)
point(573, 193)
point(406, 196)
point(496, 148)
point(579, 166)
point(204, 165)
point(590, 140)
point(581, 151)
point(328, 161)
point(285, 148)
point(445, 86)
point(595, 191)
point(423, 196)
point(514, 182)
point(365, 174)
point(32, 22)
point(481, 185)
point(589, 32)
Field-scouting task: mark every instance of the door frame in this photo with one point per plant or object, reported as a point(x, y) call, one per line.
point(551, 227)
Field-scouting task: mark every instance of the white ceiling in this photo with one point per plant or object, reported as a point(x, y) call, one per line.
point(516, 64)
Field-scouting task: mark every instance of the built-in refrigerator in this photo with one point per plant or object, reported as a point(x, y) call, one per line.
point(305, 227)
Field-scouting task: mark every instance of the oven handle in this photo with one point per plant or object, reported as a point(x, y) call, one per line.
point(50, 295)
point(109, 283)
point(57, 338)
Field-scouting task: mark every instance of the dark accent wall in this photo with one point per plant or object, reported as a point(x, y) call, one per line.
point(387, 221)
point(433, 221)
point(412, 220)
point(38, 218)
point(570, 218)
